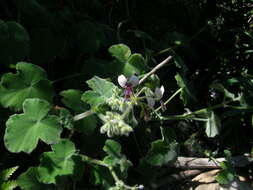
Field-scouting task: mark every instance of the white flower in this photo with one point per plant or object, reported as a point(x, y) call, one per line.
point(159, 92)
point(124, 82)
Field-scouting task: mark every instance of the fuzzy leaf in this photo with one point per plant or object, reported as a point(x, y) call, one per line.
point(62, 161)
point(23, 131)
point(30, 81)
point(101, 91)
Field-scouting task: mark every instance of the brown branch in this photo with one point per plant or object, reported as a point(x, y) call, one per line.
point(205, 163)
point(156, 68)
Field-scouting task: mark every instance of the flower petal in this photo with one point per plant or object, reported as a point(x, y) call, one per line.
point(151, 102)
point(122, 80)
point(159, 92)
point(134, 80)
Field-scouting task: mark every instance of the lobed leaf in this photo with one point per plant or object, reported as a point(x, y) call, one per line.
point(101, 91)
point(34, 124)
point(30, 81)
point(61, 162)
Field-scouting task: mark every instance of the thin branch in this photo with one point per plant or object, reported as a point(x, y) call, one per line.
point(160, 65)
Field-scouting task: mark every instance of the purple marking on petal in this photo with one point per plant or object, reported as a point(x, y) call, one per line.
point(163, 106)
point(128, 91)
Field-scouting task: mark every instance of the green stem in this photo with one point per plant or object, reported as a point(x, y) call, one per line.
point(94, 161)
point(170, 98)
point(190, 115)
point(83, 115)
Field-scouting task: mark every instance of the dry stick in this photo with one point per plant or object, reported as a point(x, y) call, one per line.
point(205, 163)
point(156, 68)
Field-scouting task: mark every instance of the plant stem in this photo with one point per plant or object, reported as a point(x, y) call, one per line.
point(83, 115)
point(160, 65)
point(189, 115)
point(94, 161)
point(170, 98)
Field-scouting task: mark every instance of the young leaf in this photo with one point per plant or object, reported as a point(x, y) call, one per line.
point(213, 125)
point(30, 81)
point(62, 161)
point(120, 51)
point(23, 131)
point(29, 181)
point(101, 91)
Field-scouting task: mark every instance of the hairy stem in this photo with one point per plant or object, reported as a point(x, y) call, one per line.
point(157, 67)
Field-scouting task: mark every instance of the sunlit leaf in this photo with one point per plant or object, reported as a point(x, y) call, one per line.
point(23, 131)
point(121, 52)
point(101, 91)
point(212, 125)
point(30, 81)
point(62, 161)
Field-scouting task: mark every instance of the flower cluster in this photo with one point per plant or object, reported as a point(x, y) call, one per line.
point(114, 125)
point(117, 103)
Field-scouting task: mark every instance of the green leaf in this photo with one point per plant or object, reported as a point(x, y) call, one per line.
point(161, 153)
point(121, 52)
point(66, 119)
point(9, 185)
point(33, 124)
point(186, 95)
point(112, 148)
point(62, 161)
point(163, 150)
point(102, 176)
point(135, 65)
point(101, 91)
point(7, 173)
point(87, 125)
point(212, 125)
point(29, 181)
point(14, 42)
point(72, 99)
point(224, 177)
point(30, 81)
point(115, 158)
